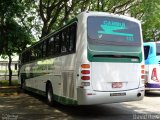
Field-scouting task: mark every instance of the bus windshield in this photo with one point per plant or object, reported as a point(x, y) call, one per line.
point(146, 51)
point(113, 31)
point(158, 49)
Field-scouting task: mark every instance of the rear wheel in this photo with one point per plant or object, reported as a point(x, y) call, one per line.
point(22, 83)
point(49, 95)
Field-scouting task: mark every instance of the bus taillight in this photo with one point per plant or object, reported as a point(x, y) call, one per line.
point(85, 74)
point(85, 66)
point(142, 66)
point(85, 77)
point(142, 73)
point(154, 74)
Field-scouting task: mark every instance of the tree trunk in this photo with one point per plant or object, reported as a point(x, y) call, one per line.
point(10, 70)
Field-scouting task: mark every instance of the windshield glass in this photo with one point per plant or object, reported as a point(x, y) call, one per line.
point(158, 49)
point(103, 30)
point(146, 51)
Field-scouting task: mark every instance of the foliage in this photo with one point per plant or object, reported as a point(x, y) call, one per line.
point(55, 13)
point(151, 20)
point(5, 83)
point(13, 36)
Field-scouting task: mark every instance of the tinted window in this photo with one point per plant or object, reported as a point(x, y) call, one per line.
point(146, 51)
point(157, 49)
point(64, 35)
point(44, 48)
point(57, 44)
point(26, 56)
point(63, 42)
point(109, 30)
point(68, 39)
point(72, 37)
point(50, 47)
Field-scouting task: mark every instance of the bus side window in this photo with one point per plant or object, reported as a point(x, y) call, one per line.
point(157, 49)
point(63, 39)
point(26, 57)
point(146, 51)
point(51, 46)
point(38, 51)
point(32, 57)
point(67, 39)
point(44, 49)
point(72, 38)
point(57, 44)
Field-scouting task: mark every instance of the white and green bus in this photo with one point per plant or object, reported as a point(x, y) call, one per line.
point(96, 58)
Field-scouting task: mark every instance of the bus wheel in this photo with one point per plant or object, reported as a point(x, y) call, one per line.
point(22, 84)
point(49, 95)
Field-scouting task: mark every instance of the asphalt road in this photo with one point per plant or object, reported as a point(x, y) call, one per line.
point(26, 106)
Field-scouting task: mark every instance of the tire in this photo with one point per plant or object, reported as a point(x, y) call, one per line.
point(22, 84)
point(49, 95)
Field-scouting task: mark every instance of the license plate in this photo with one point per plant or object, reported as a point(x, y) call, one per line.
point(117, 85)
point(117, 94)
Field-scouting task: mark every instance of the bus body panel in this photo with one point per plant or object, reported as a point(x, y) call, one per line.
point(104, 75)
point(68, 86)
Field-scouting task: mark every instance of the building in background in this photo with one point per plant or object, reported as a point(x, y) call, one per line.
point(4, 68)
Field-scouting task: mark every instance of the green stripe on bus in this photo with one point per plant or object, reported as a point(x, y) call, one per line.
point(32, 75)
point(64, 100)
point(60, 99)
point(127, 54)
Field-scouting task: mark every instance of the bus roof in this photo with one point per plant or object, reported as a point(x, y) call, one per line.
point(94, 13)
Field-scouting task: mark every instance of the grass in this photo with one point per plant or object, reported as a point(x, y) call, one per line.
point(6, 71)
point(6, 83)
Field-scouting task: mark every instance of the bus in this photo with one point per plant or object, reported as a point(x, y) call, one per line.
point(152, 65)
point(96, 58)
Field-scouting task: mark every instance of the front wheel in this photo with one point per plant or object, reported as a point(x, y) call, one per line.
point(49, 95)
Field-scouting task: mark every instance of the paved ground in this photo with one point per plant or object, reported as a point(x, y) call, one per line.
point(26, 106)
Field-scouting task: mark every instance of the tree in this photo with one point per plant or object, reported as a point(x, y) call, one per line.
point(16, 38)
point(44, 16)
point(55, 13)
point(49, 12)
point(13, 36)
point(151, 20)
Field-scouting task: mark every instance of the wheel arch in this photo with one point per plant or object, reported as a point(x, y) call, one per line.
point(47, 84)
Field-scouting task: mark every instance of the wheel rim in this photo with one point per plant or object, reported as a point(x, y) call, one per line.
point(49, 95)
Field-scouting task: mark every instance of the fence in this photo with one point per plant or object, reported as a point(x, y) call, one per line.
point(4, 73)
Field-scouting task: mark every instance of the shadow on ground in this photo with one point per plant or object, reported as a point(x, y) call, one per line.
point(152, 94)
point(31, 106)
